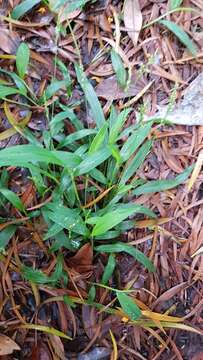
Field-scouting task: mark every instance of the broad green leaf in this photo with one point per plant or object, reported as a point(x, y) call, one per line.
point(92, 161)
point(25, 6)
point(136, 162)
point(67, 218)
point(117, 126)
point(109, 269)
point(118, 68)
point(5, 235)
point(22, 59)
point(23, 155)
point(129, 306)
point(175, 4)
point(12, 198)
point(78, 135)
point(91, 97)
point(115, 217)
point(98, 139)
point(162, 185)
point(6, 90)
point(129, 249)
point(181, 35)
point(135, 140)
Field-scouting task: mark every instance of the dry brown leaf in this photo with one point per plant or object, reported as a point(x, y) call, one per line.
point(110, 90)
point(9, 41)
point(133, 19)
point(7, 345)
point(168, 294)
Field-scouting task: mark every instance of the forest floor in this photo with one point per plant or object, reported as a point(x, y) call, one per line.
point(158, 48)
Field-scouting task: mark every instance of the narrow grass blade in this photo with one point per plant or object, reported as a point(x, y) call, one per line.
point(115, 217)
point(117, 126)
point(22, 59)
point(128, 305)
point(6, 90)
point(23, 155)
point(78, 135)
point(92, 161)
point(46, 329)
point(5, 235)
point(25, 6)
point(12, 198)
point(118, 68)
point(135, 140)
point(91, 97)
point(162, 185)
point(131, 250)
point(136, 162)
point(98, 139)
point(175, 4)
point(181, 35)
point(109, 269)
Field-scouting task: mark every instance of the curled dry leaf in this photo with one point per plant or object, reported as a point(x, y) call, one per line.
point(9, 41)
point(133, 19)
point(7, 345)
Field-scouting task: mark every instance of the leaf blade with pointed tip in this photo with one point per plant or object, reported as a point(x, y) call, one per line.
point(91, 97)
point(129, 249)
point(181, 35)
point(115, 217)
point(162, 185)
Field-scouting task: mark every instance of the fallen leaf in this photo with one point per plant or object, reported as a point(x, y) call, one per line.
point(110, 90)
point(82, 261)
point(187, 111)
point(7, 345)
point(9, 41)
point(133, 19)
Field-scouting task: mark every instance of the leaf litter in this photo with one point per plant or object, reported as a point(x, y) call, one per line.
point(125, 313)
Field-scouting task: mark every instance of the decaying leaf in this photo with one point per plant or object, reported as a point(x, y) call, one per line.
point(9, 41)
point(7, 345)
point(109, 88)
point(133, 19)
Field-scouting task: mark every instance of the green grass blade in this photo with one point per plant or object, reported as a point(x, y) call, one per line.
point(109, 269)
point(23, 155)
point(131, 250)
point(21, 9)
point(115, 217)
point(98, 139)
point(22, 59)
point(12, 198)
point(6, 90)
point(92, 161)
point(91, 97)
point(162, 185)
point(117, 126)
point(118, 68)
point(78, 135)
point(175, 4)
point(181, 35)
point(129, 307)
point(136, 162)
point(5, 235)
point(135, 140)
